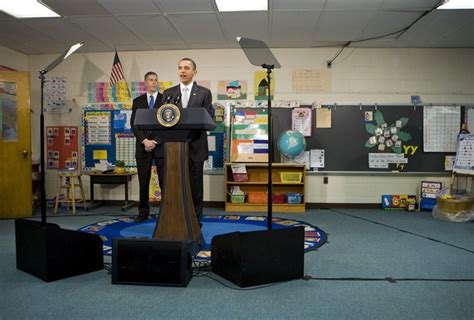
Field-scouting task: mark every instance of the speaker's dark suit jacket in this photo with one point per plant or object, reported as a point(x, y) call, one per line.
point(199, 97)
point(141, 102)
point(144, 158)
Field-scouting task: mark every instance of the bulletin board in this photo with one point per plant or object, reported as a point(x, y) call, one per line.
point(107, 135)
point(62, 147)
point(347, 142)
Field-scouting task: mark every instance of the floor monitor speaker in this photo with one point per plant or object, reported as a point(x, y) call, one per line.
point(259, 257)
point(51, 253)
point(151, 262)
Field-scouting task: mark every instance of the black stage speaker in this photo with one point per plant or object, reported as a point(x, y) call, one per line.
point(51, 253)
point(259, 257)
point(151, 262)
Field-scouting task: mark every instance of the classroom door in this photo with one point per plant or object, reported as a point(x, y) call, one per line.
point(15, 145)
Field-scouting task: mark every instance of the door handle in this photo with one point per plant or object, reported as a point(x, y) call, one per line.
point(24, 153)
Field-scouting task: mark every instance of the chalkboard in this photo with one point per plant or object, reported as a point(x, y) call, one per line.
point(345, 142)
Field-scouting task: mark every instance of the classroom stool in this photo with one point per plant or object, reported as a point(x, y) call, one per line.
point(67, 181)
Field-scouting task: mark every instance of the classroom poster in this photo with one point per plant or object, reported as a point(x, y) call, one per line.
point(301, 120)
point(464, 162)
point(62, 147)
point(55, 95)
point(260, 85)
point(232, 90)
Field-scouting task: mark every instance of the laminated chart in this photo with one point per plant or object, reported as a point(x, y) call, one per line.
point(139, 87)
point(440, 128)
point(103, 92)
point(125, 148)
point(249, 136)
point(98, 128)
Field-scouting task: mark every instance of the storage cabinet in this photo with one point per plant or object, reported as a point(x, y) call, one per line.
point(256, 186)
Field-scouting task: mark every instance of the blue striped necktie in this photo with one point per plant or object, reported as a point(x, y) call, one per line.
point(152, 102)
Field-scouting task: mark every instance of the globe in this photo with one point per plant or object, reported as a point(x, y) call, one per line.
point(291, 144)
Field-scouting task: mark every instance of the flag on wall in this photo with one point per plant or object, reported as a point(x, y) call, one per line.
point(117, 76)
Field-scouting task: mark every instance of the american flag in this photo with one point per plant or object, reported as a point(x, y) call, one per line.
point(117, 71)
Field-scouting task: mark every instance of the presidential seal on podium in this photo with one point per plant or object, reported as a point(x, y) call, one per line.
point(168, 115)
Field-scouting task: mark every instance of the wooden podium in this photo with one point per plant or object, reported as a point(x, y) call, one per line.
point(177, 220)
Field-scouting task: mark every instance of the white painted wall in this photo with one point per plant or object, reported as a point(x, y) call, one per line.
point(13, 59)
point(383, 76)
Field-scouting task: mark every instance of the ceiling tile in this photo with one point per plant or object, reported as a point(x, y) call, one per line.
point(153, 29)
point(209, 45)
point(438, 25)
point(341, 25)
point(169, 46)
point(185, 6)
point(16, 44)
point(409, 5)
point(197, 27)
point(285, 25)
point(107, 29)
point(296, 5)
point(76, 7)
point(21, 32)
point(63, 30)
point(357, 5)
point(130, 7)
point(255, 26)
point(385, 22)
point(4, 16)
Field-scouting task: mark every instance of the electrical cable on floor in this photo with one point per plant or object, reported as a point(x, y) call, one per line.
point(246, 289)
point(388, 279)
point(401, 230)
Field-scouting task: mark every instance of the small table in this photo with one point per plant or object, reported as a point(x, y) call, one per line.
point(110, 178)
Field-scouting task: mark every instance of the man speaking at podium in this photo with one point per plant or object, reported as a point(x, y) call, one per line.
point(188, 94)
point(148, 146)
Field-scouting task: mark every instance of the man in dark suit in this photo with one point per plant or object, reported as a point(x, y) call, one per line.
point(188, 94)
point(148, 145)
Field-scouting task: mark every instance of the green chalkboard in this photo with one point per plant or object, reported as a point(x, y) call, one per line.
point(346, 142)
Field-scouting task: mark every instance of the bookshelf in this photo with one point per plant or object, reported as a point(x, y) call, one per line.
point(257, 183)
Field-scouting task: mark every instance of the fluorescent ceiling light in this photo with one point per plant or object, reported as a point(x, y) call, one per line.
point(241, 5)
point(27, 9)
point(457, 4)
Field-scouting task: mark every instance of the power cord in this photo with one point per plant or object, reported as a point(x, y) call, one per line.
point(388, 279)
point(400, 32)
point(402, 230)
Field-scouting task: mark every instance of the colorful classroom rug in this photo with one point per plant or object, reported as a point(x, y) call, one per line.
point(212, 225)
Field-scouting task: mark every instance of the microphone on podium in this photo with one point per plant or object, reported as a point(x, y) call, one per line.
point(178, 99)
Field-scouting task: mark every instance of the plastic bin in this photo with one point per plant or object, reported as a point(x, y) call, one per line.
point(294, 198)
point(278, 198)
point(257, 197)
point(237, 198)
point(291, 177)
point(240, 177)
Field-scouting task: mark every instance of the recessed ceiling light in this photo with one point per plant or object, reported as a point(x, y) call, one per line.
point(457, 4)
point(241, 5)
point(27, 9)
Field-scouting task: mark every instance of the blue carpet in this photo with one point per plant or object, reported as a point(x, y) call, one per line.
point(126, 227)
